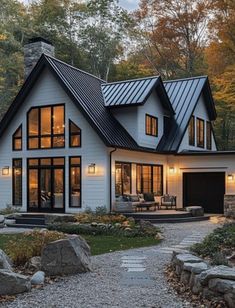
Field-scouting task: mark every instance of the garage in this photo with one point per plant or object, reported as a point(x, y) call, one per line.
point(205, 189)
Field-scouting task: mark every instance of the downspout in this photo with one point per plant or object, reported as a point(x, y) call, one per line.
point(110, 178)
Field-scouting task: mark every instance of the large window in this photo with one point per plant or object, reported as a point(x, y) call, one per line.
point(17, 139)
point(46, 126)
point(149, 179)
point(151, 125)
point(74, 135)
point(75, 181)
point(208, 135)
point(200, 133)
point(191, 131)
point(17, 181)
point(123, 178)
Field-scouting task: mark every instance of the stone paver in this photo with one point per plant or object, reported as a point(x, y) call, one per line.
point(113, 285)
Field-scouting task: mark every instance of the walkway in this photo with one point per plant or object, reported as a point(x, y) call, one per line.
point(127, 279)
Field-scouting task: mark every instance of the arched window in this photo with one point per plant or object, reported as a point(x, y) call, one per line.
point(17, 139)
point(74, 135)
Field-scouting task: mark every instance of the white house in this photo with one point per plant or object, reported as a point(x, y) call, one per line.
point(70, 140)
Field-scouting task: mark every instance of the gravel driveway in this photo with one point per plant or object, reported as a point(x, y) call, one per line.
point(127, 279)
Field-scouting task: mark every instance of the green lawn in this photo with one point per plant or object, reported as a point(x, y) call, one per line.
point(100, 243)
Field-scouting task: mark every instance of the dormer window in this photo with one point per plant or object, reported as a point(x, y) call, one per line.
point(191, 131)
point(208, 135)
point(151, 125)
point(17, 139)
point(200, 133)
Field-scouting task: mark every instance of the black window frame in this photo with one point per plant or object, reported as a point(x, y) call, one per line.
point(200, 129)
point(40, 136)
point(14, 167)
point(74, 134)
point(14, 138)
point(123, 163)
point(70, 184)
point(191, 131)
point(151, 118)
point(141, 180)
point(208, 135)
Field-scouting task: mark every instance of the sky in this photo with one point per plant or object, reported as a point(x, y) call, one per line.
point(126, 4)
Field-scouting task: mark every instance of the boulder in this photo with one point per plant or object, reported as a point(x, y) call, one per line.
point(66, 256)
point(197, 287)
point(5, 261)
point(180, 259)
point(195, 211)
point(38, 278)
point(195, 268)
point(185, 277)
point(211, 295)
point(34, 264)
point(2, 218)
point(221, 271)
point(230, 299)
point(2, 225)
point(221, 285)
point(13, 283)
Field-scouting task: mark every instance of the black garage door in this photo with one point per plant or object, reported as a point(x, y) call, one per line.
point(205, 189)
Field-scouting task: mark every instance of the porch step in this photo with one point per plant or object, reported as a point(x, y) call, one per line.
point(148, 216)
point(27, 226)
point(38, 221)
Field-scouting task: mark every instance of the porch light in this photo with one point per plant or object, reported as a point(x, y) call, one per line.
point(171, 170)
point(5, 170)
point(91, 169)
point(230, 177)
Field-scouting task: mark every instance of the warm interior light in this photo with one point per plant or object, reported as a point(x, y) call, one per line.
point(230, 177)
point(172, 170)
point(5, 171)
point(91, 169)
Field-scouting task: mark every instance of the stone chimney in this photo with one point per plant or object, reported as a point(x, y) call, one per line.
point(33, 51)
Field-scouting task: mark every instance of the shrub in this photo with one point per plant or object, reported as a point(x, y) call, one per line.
point(100, 211)
point(217, 244)
point(9, 210)
point(104, 218)
point(21, 249)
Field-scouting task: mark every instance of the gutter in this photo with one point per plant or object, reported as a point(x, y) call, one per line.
point(110, 178)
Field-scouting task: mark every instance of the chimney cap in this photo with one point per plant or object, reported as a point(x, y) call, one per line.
point(39, 39)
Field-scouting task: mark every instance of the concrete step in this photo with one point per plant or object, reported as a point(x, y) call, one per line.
point(175, 220)
point(38, 221)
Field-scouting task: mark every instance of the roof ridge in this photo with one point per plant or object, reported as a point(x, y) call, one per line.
point(185, 79)
point(130, 80)
point(73, 67)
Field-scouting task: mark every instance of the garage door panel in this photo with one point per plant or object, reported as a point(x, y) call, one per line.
point(204, 189)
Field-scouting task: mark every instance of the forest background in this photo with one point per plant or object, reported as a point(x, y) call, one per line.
point(173, 38)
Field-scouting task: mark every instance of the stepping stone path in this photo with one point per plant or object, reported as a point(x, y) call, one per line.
point(184, 244)
point(135, 274)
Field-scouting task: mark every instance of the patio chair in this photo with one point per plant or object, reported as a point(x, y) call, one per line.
point(168, 201)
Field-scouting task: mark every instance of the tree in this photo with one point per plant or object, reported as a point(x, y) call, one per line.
point(173, 34)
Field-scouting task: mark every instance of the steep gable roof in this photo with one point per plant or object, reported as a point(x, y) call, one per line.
point(134, 92)
point(184, 95)
point(85, 90)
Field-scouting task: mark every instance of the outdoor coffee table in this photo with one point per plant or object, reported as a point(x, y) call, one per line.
point(146, 204)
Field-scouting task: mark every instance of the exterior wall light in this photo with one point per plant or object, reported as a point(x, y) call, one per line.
point(5, 170)
point(91, 169)
point(171, 170)
point(230, 177)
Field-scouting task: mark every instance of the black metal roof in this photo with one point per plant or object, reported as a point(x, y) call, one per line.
point(85, 90)
point(134, 92)
point(184, 95)
point(91, 95)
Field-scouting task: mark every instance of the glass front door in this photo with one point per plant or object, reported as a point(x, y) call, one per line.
point(46, 185)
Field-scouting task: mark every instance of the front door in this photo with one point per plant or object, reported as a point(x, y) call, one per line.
point(46, 185)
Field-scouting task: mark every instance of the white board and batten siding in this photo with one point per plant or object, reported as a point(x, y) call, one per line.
point(199, 112)
point(133, 119)
point(47, 91)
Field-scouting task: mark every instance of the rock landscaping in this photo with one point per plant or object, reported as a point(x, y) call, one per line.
point(212, 283)
point(66, 257)
point(2, 218)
